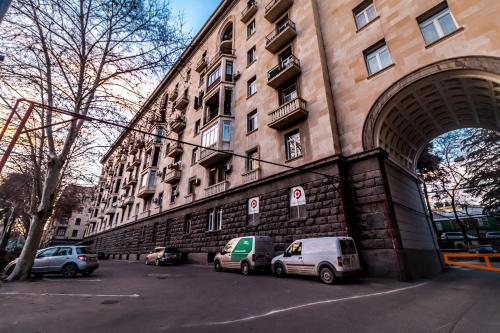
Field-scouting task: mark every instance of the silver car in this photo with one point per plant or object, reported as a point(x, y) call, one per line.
point(67, 260)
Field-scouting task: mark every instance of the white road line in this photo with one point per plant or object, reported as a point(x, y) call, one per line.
point(328, 301)
point(74, 295)
point(72, 281)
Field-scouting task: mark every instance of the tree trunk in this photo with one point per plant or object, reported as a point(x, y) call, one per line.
point(7, 230)
point(22, 269)
point(460, 224)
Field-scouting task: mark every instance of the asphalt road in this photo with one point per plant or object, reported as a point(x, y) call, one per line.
point(131, 297)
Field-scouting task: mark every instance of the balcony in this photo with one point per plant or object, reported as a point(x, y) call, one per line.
point(288, 114)
point(209, 157)
point(129, 201)
point(251, 176)
point(182, 102)
point(132, 181)
point(201, 65)
point(121, 203)
point(146, 191)
point(285, 71)
point(178, 124)
point(174, 149)
point(189, 198)
point(173, 176)
point(216, 189)
point(125, 184)
point(111, 209)
point(216, 59)
point(249, 11)
point(174, 95)
point(280, 36)
point(275, 8)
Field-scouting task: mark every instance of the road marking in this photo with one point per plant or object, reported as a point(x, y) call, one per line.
point(73, 295)
point(73, 280)
point(327, 301)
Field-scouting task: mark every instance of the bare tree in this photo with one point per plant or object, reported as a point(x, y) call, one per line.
point(92, 57)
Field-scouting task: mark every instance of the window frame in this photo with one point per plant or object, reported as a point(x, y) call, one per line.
point(252, 119)
point(432, 18)
point(288, 154)
point(252, 82)
point(251, 55)
point(363, 9)
point(250, 31)
point(375, 51)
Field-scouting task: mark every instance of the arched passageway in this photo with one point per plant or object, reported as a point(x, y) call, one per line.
point(441, 97)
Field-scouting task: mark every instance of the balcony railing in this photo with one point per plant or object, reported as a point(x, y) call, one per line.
point(174, 94)
point(275, 8)
point(178, 124)
point(287, 69)
point(251, 176)
point(146, 191)
point(280, 36)
point(202, 64)
point(216, 188)
point(182, 102)
point(218, 56)
point(249, 11)
point(209, 157)
point(173, 176)
point(288, 114)
point(174, 149)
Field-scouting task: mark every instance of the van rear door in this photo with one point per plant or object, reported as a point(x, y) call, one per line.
point(349, 254)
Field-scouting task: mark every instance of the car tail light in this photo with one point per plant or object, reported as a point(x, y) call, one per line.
point(339, 261)
point(82, 258)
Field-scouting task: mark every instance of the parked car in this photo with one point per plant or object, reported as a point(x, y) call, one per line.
point(67, 260)
point(484, 249)
point(247, 253)
point(455, 235)
point(163, 255)
point(330, 258)
point(493, 234)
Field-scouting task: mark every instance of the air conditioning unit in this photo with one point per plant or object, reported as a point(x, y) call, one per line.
point(228, 168)
point(236, 75)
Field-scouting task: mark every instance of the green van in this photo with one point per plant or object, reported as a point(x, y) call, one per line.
point(246, 253)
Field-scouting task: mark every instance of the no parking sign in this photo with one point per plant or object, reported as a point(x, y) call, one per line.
point(253, 205)
point(297, 196)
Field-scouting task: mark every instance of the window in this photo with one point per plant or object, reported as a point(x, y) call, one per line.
point(437, 24)
point(214, 221)
point(160, 199)
point(364, 14)
point(226, 131)
point(192, 184)
point(61, 231)
point(252, 86)
point(209, 137)
point(64, 251)
point(251, 163)
point(295, 249)
point(251, 29)
point(288, 93)
point(188, 75)
point(252, 121)
point(194, 154)
point(378, 58)
point(253, 211)
point(48, 253)
point(187, 224)
point(173, 194)
point(74, 233)
point(229, 71)
point(213, 77)
point(202, 79)
point(78, 221)
point(292, 145)
point(251, 55)
point(197, 127)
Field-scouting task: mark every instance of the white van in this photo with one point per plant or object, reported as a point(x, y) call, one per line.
point(246, 253)
point(329, 258)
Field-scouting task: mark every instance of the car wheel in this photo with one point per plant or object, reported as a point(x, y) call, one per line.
point(69, 270)
point(279, 270)
point(245, 268)
point(327, 275)
point(217, 266)
point(157, 262)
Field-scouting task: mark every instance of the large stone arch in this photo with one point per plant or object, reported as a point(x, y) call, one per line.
point(440, 97)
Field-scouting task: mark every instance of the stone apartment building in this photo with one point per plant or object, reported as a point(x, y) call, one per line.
point(70, 221)
point(302, 118)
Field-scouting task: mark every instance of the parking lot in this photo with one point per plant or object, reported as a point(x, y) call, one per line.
point(131, 297)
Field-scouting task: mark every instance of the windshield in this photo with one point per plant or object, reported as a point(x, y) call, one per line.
point(84, 250)
point(347, 246)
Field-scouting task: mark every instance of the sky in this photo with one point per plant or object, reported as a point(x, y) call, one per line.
point(196, 12)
